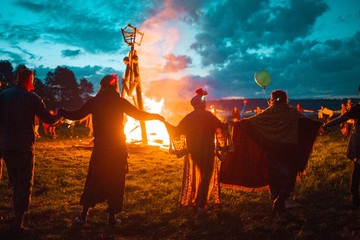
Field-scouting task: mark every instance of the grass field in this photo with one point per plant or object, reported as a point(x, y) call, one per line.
point(152, 192)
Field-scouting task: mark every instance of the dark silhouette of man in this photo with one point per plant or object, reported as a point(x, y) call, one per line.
point(18, 107)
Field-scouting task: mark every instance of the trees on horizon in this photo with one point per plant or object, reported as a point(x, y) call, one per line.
point(59, 88)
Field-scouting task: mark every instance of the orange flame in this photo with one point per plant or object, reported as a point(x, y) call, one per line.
point(156, 130)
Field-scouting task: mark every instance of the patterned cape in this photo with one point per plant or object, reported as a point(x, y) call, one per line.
point(254, 142)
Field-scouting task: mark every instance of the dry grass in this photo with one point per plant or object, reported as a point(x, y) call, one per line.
point(152, 191)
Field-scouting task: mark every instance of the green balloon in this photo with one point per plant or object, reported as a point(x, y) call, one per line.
point(262, 77)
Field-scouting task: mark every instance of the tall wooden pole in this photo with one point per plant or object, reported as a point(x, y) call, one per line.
point(135, 77)
point(131, 79)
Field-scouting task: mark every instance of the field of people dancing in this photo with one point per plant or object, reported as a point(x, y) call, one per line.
point(152, 190)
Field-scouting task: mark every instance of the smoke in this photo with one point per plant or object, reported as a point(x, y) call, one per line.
point(163, 73)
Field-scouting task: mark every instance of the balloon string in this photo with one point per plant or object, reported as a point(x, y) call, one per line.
point(242, 110)
point(265, 96)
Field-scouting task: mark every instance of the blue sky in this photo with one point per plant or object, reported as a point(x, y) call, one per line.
point(310, 47)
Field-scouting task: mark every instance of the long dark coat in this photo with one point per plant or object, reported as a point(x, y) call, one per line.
point(108, 162)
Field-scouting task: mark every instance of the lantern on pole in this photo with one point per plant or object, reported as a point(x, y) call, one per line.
point(131, 79)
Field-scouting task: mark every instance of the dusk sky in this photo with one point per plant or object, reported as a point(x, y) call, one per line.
point(310, 47)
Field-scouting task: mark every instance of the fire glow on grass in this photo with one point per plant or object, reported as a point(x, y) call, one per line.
point(156, 130)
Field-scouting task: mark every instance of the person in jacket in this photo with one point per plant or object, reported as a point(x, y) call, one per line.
point(18, 108)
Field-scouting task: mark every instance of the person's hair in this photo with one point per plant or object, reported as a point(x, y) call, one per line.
point(110, 82)
point(278, 96)
point(23, 76)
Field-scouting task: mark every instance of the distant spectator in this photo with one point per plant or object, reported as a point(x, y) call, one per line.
point(325, 116)
point(235, 115)
point(49, 129)
point(257, 110)
point(36, 128)
point(345, 127)
point(303, 110)
point(88, 124)
point(216, 111)
point(353, 150)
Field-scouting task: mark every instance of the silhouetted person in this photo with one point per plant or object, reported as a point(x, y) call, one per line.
point(270, 148)
point(108, 163)
point(199, 128)
point(345, 127)
point(49, 129)
point(325, 115)
point(257, 110)
point(353, 150)
point(18, 107)
point(235, 114)
point(303, 110)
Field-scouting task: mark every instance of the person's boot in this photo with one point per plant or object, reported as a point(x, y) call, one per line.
point(112, 220)
point(278, 205)
point(355, 202)
point(81, 219)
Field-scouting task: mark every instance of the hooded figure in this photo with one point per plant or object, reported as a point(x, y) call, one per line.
point(200, 165)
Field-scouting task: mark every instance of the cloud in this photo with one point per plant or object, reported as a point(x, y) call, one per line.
point(252, 25)
point(176, 63)
point(71, 53)
point(232, 40)
point(303, 68)
point(15, 58)
point(18, 55)
point(16, 33)
point(93, 26)
point(35, 7)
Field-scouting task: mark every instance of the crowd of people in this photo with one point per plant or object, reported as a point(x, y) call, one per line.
point(324, 115)
point(265, 152)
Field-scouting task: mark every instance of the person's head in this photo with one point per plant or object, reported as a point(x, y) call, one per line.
point(350, 102)
point(110, 82)
point(25, 79)
point(198, 102)
point(235, 109)
point(278, 96)
point(298, 106)
point(323, 106)
point(343, 105)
